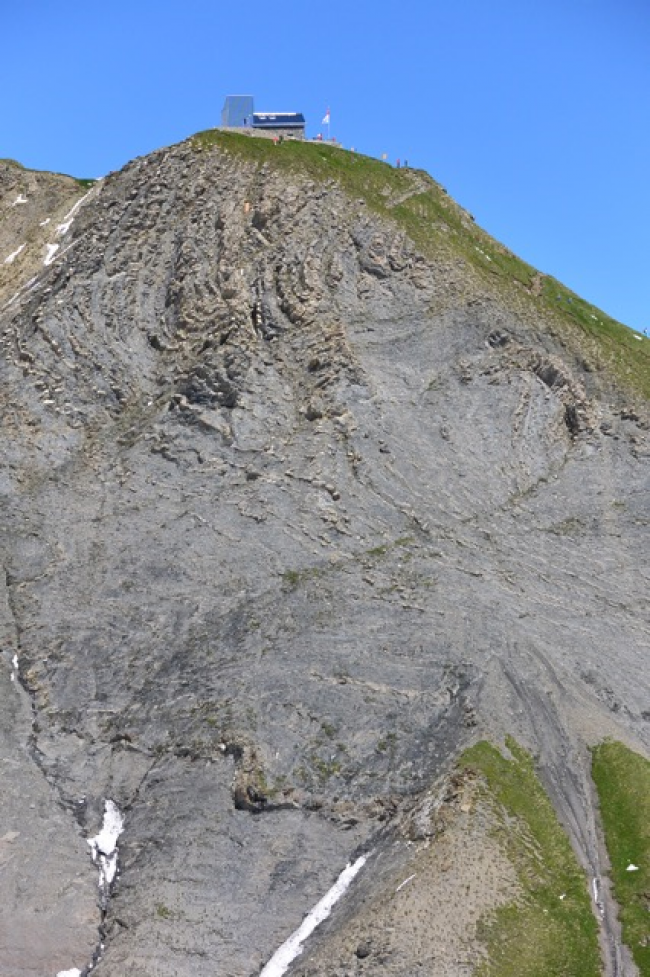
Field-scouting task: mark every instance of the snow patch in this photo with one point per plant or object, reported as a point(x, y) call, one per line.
point(19, 200)
point(104, 845)
point(64, 227)
point(14, 254)
point(632, 868)
point(291, 948)
point(51, 251)
point(75, 972)
point(405, 882)
point(14, 668)
point(45, 222)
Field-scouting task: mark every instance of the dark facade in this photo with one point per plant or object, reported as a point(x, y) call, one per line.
point(288, 123)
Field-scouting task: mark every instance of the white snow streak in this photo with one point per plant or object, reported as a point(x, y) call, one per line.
point(64, 227)
point(14, 668)
point(19, 200)
point(104, 845)
point(43, 223)
point(292, 947)
point(14, 254)
point(12, 299)
point(69, 973)
point(405, 882)
point(31, 284)
point(51, 251)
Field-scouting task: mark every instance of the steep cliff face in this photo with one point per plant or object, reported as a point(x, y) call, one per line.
point(295, 509)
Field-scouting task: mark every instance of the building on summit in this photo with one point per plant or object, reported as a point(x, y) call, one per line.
point(291, 125)
point(238, 113)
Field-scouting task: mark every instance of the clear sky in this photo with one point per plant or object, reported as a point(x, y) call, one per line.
point(534, 114)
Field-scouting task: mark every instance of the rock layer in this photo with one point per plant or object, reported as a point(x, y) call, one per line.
point(291, 514)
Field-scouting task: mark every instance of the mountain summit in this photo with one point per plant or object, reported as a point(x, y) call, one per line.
point(325, 538)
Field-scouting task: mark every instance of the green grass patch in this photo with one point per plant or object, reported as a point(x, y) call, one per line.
point(611, 345)
point(550, 930)
point(622, 780)
point(375, 552)
point(293, 578)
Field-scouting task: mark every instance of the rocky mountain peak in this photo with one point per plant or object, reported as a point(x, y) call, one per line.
point(309, 485)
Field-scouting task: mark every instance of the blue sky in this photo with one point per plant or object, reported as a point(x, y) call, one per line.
point(534, 114)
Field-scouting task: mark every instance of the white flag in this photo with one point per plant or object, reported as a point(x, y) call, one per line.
point(326, 119)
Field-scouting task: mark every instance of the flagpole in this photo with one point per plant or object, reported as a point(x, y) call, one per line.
point(326, 121)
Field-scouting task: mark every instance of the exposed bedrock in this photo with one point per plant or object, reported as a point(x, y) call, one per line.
point(291, 514)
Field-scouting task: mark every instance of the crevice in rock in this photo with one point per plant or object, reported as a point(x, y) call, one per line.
point(38, 760)
point(20, 681)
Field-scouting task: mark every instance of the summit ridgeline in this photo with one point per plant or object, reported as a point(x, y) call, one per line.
point(325, 544)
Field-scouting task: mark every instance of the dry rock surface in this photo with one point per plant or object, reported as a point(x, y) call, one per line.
point(436, 885)
point(36, 210)
point(291, 514)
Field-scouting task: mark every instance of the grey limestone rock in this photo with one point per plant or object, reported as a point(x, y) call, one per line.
point(290, 515)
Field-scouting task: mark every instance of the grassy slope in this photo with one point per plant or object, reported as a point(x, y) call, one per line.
point(622, 780)
point(440, 228)
point(541, 934)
